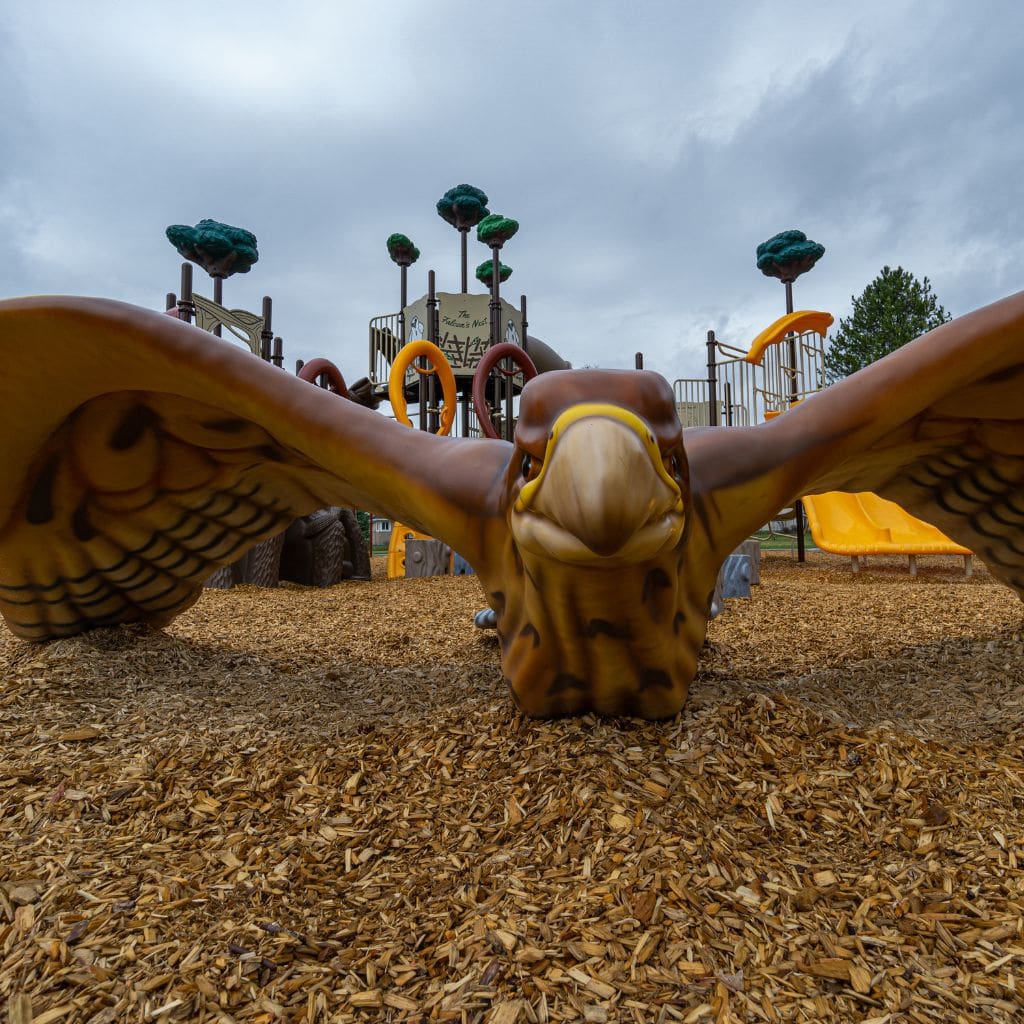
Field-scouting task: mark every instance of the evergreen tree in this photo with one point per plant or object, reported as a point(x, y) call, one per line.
point(894, 309)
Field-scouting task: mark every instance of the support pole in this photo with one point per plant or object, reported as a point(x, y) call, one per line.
point(801, 555)
point(267, 334)
point(218, 297)
point(403, 302)
point(463, 235)
point(712, 382)
point(495, 295)
point(185, 302)
point(499, 381)
point(422, 363)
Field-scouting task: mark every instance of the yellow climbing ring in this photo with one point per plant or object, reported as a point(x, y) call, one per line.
point(439, 365)
point(396, 387)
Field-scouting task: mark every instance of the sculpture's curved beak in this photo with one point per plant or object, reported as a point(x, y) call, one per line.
point(603, 490)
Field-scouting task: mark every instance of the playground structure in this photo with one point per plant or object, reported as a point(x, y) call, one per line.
point(444, 560)
point(463, 326)
point(453, 333)
point(457, 324)
point(783, 367)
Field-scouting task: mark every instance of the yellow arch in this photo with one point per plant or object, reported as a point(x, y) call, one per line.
point(396, 386)
point(791, 323)
point(441, 366)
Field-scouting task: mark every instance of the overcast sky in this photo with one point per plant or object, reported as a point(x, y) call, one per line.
point(645, 148)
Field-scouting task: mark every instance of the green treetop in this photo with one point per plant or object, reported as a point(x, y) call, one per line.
point(485, 272)
point(496, 230)
point(894, 309)
point(787, 255)
point(401, 250)
point(463, 206)
point(220, 249)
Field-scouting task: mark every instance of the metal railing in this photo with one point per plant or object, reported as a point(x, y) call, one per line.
point(792, 370)
point(385, 344)
point(738, 393)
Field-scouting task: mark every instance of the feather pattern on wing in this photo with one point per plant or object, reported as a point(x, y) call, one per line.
point(143, 453)
point(132, 503)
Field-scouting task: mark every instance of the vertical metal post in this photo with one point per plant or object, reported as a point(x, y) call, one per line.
point(185, 302)
point(299, 364)
point(712, 382)
point(434, 421)
point(522, 316)
point(794, 394)
point(170, 301)
point(278, 356)
point(267, 334)
point(464, 415)
point(422, 363)
point(218, 297)
point(510, 390)
point(495, 301)
point(727, 400)
point(463, 234)
point(638, 360)
point(403, 302)
point(499, 380)
point(791, 340)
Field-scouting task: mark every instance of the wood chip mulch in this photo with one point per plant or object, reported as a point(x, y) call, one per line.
point(298, 805)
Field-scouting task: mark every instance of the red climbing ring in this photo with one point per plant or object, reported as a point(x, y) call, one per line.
point(311, 370)
point(504, 350)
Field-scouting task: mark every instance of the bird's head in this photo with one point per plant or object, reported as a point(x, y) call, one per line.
point(599, 475)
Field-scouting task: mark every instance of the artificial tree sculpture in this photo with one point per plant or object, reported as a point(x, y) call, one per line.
point(494, 231)
point(786, 256)
point(463, 206)
point(220, 249)
point(405, 254)
point(485, 272)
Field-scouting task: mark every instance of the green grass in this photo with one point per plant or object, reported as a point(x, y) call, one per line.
point(782, 541)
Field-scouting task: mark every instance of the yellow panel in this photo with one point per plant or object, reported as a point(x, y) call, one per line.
point(791, 323)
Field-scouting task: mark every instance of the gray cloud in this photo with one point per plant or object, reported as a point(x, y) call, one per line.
point(645, 150)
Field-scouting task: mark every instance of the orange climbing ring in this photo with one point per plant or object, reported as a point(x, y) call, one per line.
point(438, 364)
point(396, 388)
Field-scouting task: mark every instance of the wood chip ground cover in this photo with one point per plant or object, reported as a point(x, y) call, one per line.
point(299, 805)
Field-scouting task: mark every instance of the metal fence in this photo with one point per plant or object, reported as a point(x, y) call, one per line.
point(385, 344)
point(738, 393)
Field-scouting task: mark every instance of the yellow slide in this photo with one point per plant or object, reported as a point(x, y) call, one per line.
point(865, 524)
point(854, 524)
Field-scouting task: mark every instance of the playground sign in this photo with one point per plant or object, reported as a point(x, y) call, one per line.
point(463, 326)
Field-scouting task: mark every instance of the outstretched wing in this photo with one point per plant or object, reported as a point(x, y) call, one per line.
point(140, 454)
point(937, 426)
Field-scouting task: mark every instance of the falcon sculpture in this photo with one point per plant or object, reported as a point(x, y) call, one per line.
point(140, 456)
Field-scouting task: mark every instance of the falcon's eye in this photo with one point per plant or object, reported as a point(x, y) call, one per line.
point(531, 467)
